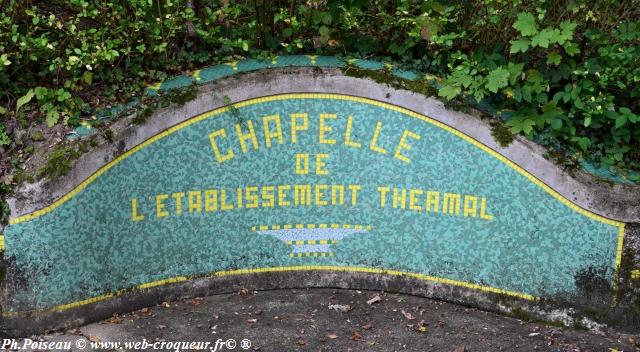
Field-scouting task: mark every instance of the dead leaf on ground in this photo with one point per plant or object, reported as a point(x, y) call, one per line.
point(407, 314)
point(373, 300)
point(461, 348)
point(340, 307)
point(115, 319)
point(301, 342)
point(332, 336)
point(422, 327)
point(367, 326)
point(357, 336)
point(94, 338)
point(196, 301)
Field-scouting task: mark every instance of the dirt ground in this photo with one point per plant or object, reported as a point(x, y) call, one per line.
point(331, 320)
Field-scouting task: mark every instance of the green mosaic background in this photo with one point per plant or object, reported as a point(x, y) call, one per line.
point(212, 73)
point(90, 246)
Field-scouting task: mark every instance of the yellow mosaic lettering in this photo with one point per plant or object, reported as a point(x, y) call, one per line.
point(251, 197)
point(413, 193)
point(244, 137)
point(223, 201)
point(268, 134)
point(302, 195)
point(268, 197)
point(325, 128)
point(451, 203)
point(160, 212)
point(483, 210)
point(295, 127)
point(210, 200)
point(195, 201)
point(216, 151)
point(403, 145)
point(433, 199)
point(239, 194)
point(374, 141)
point(337, 194)
point(320, 164)
point(282, 195)
point(470, 206)
point(302, 164)
point(354, 194)
point(178, 198)
point(319, 189)
point(399, 197)
point(134, 211)
point(347, 135)
point(383, 195)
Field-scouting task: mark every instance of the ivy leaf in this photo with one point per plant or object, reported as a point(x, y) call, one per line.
point(497, 79)
point(553, 58)
point(520, 45)
point(566, 28)
point(449, 91)
point(543, 38)
point(521, 124)
point(324, 31)
point(87, 77)
point(556, 124)
point(4, 60)
point(515, 72)
point(571, 48)
point(52, 117)
point(24, 99)
point(583, 142)
point(526, 24)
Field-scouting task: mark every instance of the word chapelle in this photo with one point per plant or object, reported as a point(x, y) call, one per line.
point(272, 128)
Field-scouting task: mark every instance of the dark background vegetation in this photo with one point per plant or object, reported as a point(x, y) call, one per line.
point(565, 73)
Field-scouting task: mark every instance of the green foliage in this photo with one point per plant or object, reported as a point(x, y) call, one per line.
point(570, 71)
point(5, 210)
point(572, 80)
point(384, 76)
point(501, 133)
point(60, 162)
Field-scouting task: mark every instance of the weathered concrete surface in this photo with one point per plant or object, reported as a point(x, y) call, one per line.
point(620, 202)
point(65, 319)
point(302, 320)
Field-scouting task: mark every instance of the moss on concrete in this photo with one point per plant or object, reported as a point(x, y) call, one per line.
point(385, 76)
point(501, 133)
point(60, 162)
point(22, 176)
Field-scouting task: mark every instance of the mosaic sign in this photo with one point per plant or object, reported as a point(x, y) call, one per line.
point(305, 182)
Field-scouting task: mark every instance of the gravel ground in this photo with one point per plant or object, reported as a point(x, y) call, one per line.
point(332, 320)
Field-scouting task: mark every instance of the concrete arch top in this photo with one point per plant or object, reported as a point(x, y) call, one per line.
point(309, 178)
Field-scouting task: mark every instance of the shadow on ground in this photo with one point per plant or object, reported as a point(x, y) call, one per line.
point(333, 320)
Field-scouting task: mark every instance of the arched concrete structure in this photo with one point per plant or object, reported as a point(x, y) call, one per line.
point(515, 210)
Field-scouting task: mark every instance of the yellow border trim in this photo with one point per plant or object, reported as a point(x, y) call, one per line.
point(253, 101)
point(616, 273)
point(405, 111)
point(179, 279)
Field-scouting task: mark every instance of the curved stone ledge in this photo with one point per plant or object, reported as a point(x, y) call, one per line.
point(618, 202)
point(137, 299)
point(613, 206)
